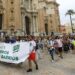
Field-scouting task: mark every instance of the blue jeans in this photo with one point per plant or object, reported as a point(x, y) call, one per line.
point(51, 51)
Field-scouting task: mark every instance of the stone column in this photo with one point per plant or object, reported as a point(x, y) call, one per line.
point(29, 4)
point(34, 24)
point(37, 24)
point(33, 29)
point(23, 23)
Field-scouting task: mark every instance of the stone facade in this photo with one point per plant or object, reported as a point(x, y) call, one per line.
point(29, 16)
point(50, 17)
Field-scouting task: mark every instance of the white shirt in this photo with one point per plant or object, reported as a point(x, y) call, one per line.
point(59, 41)
point(51, 43)
point(32, 45)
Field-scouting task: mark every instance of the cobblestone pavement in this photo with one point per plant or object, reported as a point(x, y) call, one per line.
point(65, 66)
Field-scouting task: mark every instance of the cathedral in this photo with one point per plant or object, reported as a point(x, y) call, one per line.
point(29, 17)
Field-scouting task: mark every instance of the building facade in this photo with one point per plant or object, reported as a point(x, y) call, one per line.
point(10, 16)
point(51, 20)
point(25, 17)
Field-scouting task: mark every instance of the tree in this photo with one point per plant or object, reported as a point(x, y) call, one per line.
point(71, 12)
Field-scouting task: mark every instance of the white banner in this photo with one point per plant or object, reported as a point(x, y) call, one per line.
point(14, 53)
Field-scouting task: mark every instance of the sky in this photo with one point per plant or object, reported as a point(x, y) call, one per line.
point(63, 7)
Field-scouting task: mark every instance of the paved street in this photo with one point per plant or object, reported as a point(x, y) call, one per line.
point(64, 66)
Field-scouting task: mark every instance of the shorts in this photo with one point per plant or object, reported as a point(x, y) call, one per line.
point(60, 49)
point(32, 56)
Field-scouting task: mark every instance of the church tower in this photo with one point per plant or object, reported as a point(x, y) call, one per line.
point(53, 15)
point(48, 14)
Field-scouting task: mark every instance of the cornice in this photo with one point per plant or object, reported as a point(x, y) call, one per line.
point(52, 2)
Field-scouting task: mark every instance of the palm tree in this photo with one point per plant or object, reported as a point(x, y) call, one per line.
point(70, 12)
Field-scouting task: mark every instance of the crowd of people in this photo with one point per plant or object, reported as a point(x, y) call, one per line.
point(52, 44)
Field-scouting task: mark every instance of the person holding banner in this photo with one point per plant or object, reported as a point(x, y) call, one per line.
point(10, 39)
point(32, 55)
point(7, 39)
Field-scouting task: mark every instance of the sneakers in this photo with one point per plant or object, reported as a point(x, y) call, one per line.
point(29, 70)
point(52, 61)
point(36, 67)
point(61, 57)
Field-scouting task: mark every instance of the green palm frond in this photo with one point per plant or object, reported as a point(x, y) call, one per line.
point(70, 12)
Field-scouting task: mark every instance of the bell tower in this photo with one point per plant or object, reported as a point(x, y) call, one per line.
point(53, 15)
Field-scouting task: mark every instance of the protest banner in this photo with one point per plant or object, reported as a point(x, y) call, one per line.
point(14, 53)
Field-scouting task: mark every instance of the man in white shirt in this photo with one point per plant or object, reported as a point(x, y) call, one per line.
point(32, 55)
point(51, 47)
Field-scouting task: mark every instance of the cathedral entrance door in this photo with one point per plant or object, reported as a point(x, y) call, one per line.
point(46, 29)
point(27, 21)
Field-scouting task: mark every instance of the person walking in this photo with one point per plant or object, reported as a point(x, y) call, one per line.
point(32, 55)
point(59, 46)
point(51, 48)
point(66, 44)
